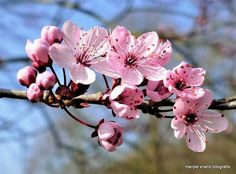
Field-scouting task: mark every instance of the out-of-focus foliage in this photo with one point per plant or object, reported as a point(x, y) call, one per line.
point(36, 139)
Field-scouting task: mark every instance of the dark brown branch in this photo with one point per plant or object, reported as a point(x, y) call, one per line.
point(149, 107)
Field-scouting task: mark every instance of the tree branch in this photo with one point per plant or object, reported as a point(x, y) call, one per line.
point(147, 106)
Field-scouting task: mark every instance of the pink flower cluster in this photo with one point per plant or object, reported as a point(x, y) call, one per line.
point(136, 66)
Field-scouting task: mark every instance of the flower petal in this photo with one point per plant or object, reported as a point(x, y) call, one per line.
point(116, 92)
point(105, 131)
point(124, 111)
point(107, 146)
point(152, 72)
point(131, 76)
point(147, 43)
point(82, 74)
point(179, 127)
point(62, 55)
point(195, 140)
point(213, 121)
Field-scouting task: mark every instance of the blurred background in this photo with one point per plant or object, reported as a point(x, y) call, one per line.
point(37, 139)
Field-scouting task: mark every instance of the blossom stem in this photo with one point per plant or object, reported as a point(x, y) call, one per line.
point(106, 82)
point(69, 83)
point(77, 119)
point(64, 75)
point(52, 69)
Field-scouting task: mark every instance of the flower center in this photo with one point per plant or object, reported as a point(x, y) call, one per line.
point(180, 84)
point(82, 59)
point(191, 118)
point(131, 61)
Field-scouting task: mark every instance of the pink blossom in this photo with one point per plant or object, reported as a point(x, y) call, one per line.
point(81, 51)
point(34, 93)
point(37, 51)
point(51, 34)
point(26, 75)
point(129, 56)
point(46, 80)
point(124, 100)
point(109, 135)
point(156, 91)
point(193, 119)
point(184, 81)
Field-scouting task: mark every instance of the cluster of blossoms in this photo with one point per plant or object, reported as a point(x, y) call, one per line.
point(136, 66)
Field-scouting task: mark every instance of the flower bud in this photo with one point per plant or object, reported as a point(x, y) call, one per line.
point(109, 135)
point(26, 76)
point(156, 91)
point(37, 51)
point(34, 93)
point(51, 34)
point(46, 80)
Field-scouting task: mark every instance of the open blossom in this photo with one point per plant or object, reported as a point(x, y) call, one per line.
point(51, 34)
point(26, 75)
point(46, 80)
point(37, 51)
point(184, 81)
point(156, 91)
point(124, 100)
point(34, 93)
point(193, 120)
point(130, 57)
point(81, 51)
point(109, 135)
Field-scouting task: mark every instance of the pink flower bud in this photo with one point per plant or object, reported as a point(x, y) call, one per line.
point(34, 93)
point(109, 135)
point(46, 80)
point(26, 75)
point(52, 34)
point(38, 51)
point(156, 91)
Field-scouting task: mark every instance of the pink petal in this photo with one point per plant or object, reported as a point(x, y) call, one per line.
point(131, 76)
point(214, 122)
point(180, 107)
point(163, 53)
point(147, 43)
point(151, 72)
point(120, 141)
point(28, 49)
point(62, 55)
point(82, 74)
point(193, 93)
point(105, 131)
point(72, 35)
point(196, 77)
point(105, 68)
point(132, 96)
point(122, 40)
point(195, 140)
point(204, 102)
point(124, 111)
point(116, 92)
point(107, 146)
point(115, 60)
point(179, 127)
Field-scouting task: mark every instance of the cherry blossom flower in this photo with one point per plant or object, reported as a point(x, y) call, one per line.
point(156, 91)
point(184, 81)
point(109, 135)
point(46, 80)
point(193, 119)
point(81, 51)
point(124, 100)
point(51, 34)
point(37, 51)
point(130, 56)
point(26, 76)
point(34, 93)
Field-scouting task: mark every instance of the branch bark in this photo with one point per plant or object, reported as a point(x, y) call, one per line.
point(147, 106)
